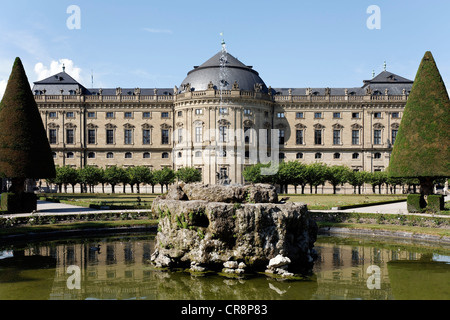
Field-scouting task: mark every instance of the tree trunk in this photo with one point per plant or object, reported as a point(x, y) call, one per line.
point(426, 186)
point(17, 185)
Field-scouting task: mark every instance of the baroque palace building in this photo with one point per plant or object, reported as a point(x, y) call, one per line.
point(222, 118)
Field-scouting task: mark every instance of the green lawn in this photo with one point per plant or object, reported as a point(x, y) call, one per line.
point(314, 201)
point(326, 202)
point(134, 201)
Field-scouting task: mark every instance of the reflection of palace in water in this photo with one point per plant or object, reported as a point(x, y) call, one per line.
point(121, 271)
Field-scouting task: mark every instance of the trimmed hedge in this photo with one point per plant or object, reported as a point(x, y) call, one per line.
point(416, 203)
point(18, 203)
point(436, 203)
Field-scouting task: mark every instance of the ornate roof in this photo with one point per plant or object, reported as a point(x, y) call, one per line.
point(236, 75)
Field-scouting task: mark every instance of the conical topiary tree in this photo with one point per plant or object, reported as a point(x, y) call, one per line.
point(24, 149)
point(421, 149)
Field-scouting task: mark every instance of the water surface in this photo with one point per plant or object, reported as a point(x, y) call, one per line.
point(346, 268)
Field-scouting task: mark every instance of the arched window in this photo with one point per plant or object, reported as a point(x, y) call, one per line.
point(70, 155)
point(355, 155)
point(128, 155)
point(377, 155)
point(337, 155)
point(198, 154)
point(165, 155)
point(281, 156)
point(146, 155)
point(318, 155)
point(299, 155)
point(54, 155)
point(110, 155)
point(91, 155)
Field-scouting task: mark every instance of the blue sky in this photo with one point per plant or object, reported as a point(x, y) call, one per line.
point(151, 44)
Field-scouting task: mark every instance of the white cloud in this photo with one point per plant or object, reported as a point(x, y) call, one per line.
point(3, 84)
point(151, 30)
point(44, 72)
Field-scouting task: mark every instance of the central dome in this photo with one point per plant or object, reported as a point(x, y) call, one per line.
point(200, 77)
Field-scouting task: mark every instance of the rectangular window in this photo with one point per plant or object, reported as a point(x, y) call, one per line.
point(355, 115)
point(110, 115)
point(247, 134)
point(318, 115)
point(198, 111)
point(180, 113)
point(223, 110)
point(92, 115)
point(281, 135)
point(52, 115)
point(164, 136)
point(355, 137)
point(198, 134)
point(91, 136)
point(146, 115)
point(377, 115)
point(336, 137)
point(336, 115)
point(70, 115)
point(299, 137)
point(109, 136)
point(247, 112)
point(52, 136)
point(128, 115)
point(223, 134)
point(317, 136)
point(299, 115)
point(128, 135)
point(146, 136)
point(164, 115)
point(70, 136)
point(180, 135)
point(377, 137)
point(281, 115)
point(394, 135)
point(395, 115)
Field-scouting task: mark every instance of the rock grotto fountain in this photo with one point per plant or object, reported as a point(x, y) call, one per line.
point(233, 229)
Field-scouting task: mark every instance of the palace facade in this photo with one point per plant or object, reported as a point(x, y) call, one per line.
point(222, 118)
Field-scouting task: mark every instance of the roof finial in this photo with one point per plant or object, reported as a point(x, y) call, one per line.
point(64, 68)
point(223, 40)
point(373, 73)
point(385, 65)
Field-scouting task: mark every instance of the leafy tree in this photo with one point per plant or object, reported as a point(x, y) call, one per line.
point(253, 174)
point(91, 176)
point(421, 149)
point(24, 148)
point(151, 180)
point(377, 179)
point(316, 175)
point(136, 176)
point(164, 177)
point(357, 179)
point(67, 175)
point(189, 175)
point(114, 175)
point(337, 175)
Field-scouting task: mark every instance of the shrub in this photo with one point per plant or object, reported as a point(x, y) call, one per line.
point(435, 203)
point(19, 203)
point(416, 203)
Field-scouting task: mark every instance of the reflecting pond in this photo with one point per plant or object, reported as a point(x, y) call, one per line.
point(346, 268)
